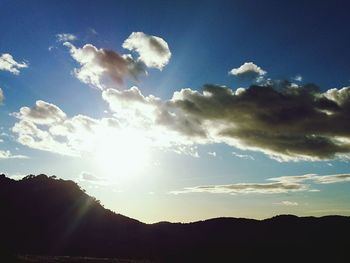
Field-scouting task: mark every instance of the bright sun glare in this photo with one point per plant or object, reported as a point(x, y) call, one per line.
point(123, 155)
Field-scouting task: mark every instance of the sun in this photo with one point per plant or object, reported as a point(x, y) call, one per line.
point(122, 154)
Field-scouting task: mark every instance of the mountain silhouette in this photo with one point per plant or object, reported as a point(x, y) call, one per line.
point(43, 215)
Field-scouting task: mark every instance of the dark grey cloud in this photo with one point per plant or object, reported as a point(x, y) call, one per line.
point(281, 119)
point(285, 121)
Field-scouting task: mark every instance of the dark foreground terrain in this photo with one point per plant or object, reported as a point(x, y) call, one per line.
point(66, 259)
point(52, 218)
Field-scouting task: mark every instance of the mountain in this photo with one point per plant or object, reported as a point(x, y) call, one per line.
point(43, 215)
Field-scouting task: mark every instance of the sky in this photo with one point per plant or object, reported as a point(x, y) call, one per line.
point(181, 110)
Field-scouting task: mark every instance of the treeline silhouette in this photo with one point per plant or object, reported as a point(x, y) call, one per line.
point(43, 215)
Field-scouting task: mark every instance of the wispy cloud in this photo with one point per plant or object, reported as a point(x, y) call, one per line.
point(287, 203)
point(283, 184)
point(2, 96)
point(93, 179)
point(63, 37)
point(8, 63)
point(9, 155)
point(298, 78)
point(243, 156)
point(212, 154)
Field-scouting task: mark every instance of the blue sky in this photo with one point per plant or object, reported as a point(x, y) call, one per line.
point(155, 166)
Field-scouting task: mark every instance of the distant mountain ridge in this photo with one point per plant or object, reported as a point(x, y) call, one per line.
point(43, 215)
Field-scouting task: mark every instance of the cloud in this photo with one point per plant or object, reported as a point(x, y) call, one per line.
point(41, 113)
point(92, 31)
point(248, 71)
point(317, 179)
point(30, 135)
point(7, 63)
point(243, 156)
point(9, 155)
point(298, 78)
point(331, 179)
point(288, 203)
point(152, 50)
point(46, 127)
point(63, 37)
point(212, 154)
point(279, 185)
point(95, 181)
point(104, 68)
point(339, 96)
point(2, 97)
point(132, 106)
point(103, 65)
point(286, 123)
point(160, 120)
point(92, 179)
point(244, 188)
point(89, 177)
point(16, 177)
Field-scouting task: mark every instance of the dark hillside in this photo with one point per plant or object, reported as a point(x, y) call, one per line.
point(43, 215)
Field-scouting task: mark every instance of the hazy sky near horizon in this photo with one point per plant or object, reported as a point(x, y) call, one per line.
point(184, 110)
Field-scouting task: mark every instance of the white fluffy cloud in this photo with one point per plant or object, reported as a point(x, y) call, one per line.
point(100, 65)
point(46, 127)
point(63, 37)
point(277, 185)
point(102, 68)
point(248, 70)
point(30, 135)
point(41, 113)
point(7, 63)
point(340, 96)
point(152, 50)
